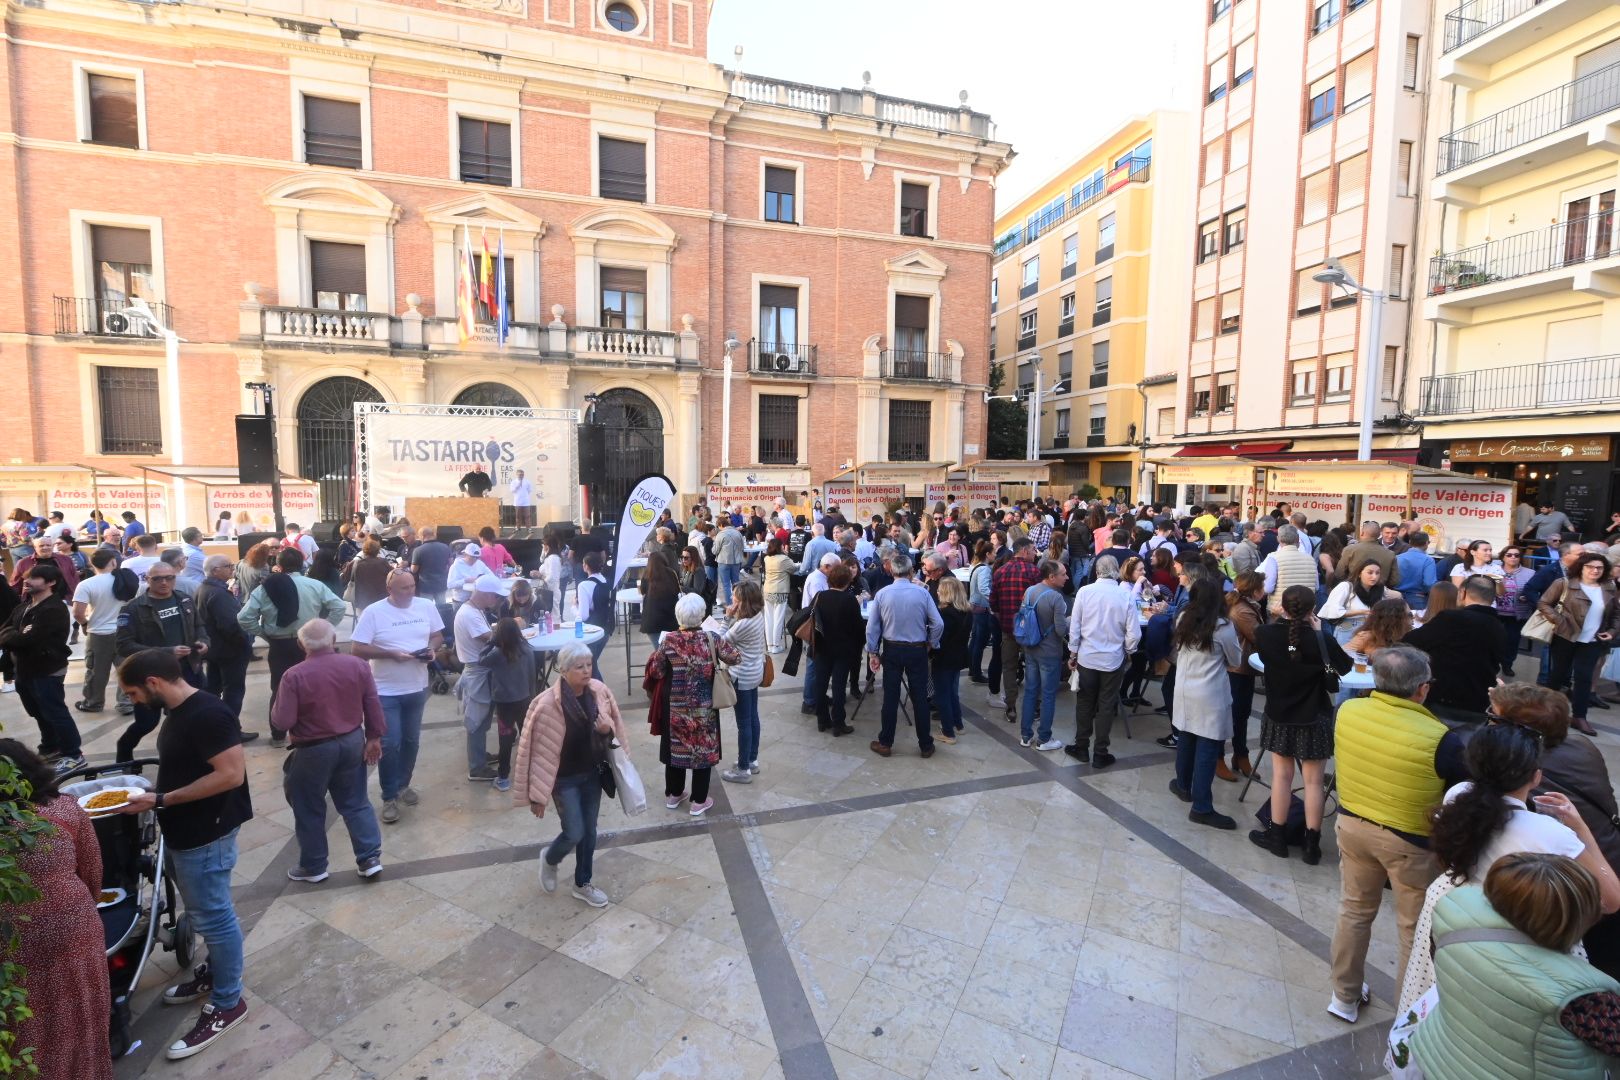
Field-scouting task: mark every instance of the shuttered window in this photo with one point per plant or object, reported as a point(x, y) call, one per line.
point(1409, 63)
point(1307, 293)
point(908, 430)
point(778, 429)
point(1237, 151)
point(1100, 351)
point(1352, 183)
point(1322, 101)
point(123, 264)
point(621, 169)
point(1231, 311)
point(1303, 374)
point(1235, 229)
point(1243, 62)
point(1226, 394)
point(1358, 81)
point(1397, 271)
point(779, 315)
point(1403, 168)
point(1318, 187)
point(127, 399)
point(911, 324)
point(1217, 80)
point(780, 194)
point(337, 274)
point(1167, 420)
point(1204, 323)
point(1339, 377)
point(1391, 377)
point(114, 110)
point(332, 132)
point(1338, 297)
point(1214, 160)
point(913, 210)
point(486, 152)
point(1105, 302)
point(114, 244)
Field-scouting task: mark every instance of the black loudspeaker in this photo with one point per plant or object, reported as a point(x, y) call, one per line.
point(592, 450)
point(253, 464)
point(449, 534)
point(247, 540)
point(326, 532)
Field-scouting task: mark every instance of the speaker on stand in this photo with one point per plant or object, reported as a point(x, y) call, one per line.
point(254, 459)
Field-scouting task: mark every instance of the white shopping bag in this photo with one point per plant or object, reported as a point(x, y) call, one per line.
point(632, 796)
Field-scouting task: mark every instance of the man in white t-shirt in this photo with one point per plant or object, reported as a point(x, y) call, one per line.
point(467, 568)
point(398, 635)
point(298, 538)
point(57, 528)
point(472, 630)
point(96, 609)
point(146, 546)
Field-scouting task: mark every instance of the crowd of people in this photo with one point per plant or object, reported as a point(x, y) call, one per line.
point(1437, 768)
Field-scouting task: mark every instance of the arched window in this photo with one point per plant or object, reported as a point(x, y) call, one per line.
point(326, 440)
point(493, 395)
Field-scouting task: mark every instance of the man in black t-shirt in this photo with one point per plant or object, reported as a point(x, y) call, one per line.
point(201, 799)
point(476, 482)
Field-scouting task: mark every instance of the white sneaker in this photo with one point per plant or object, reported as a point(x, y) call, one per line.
point(548, 875)
point(753, 766)
point(996, 701)
point(591, 895)
point(1051, 744)
point(1348, 1013)
point(737, 776)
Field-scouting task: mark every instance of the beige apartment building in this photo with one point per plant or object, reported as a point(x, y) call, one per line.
point(1078, 297)
point(1517, 374)
point(1309, 148)
point(294, 195)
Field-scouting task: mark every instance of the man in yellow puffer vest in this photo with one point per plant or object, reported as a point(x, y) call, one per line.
point(1395, 761)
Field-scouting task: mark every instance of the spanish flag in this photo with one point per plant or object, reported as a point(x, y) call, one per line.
point(466, 317)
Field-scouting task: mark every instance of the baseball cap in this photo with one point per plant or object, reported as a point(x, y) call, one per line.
point(493, 585)
point(473, 550)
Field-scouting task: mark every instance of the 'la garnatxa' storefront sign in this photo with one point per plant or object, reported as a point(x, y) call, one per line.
point(1552, 448)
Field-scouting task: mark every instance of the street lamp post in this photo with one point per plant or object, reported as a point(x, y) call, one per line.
point(1373, 362)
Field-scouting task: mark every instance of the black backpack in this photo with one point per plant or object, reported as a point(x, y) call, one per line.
point(601, 613)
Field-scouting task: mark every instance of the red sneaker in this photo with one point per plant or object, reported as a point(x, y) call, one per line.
point(211, 1024)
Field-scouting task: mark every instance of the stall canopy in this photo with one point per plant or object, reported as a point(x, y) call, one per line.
point(881, 486)
point(757, 485)
point(250, 506)
point(1009, 472)
point(1226, 473)
point(76, 490)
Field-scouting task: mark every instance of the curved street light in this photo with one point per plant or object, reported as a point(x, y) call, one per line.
point(1333, 273)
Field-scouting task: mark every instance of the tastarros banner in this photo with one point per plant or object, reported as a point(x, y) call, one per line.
point(414, 455)
point(646, 503)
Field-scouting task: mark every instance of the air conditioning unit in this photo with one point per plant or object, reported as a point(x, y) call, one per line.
point(784, 362)
point(116, 322)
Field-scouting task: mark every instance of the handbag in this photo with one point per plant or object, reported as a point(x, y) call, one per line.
point(632, 795)
point(770, 673)
point(604, 766)
point(1330, 674)
point(1540, 628)
point(724, 694)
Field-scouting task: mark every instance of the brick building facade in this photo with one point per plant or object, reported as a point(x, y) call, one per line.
point(290, 192)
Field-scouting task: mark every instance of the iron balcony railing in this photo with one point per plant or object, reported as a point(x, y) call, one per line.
point(776, 358)
point(913, 364)
point(1475, 17)
point(1569, 243)
point(1026, 234)
point(1557, 109)
point(1559, 384)
point(90, 316)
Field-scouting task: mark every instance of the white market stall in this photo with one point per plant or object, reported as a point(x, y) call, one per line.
point(1031, 474)
point(879, 487)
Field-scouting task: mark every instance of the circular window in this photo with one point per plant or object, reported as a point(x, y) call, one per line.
point(622, 17)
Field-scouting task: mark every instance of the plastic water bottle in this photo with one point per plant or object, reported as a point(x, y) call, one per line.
point(579, 628)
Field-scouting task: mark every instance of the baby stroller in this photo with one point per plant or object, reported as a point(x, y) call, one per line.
point(143, 910)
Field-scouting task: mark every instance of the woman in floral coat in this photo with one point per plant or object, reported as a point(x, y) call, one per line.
point(680, 679)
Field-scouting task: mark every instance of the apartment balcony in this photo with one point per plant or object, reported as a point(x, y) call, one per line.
point(1066, 327)
point(301, 326)
point(1139, 172)
point(880, 108)
point(912, 364)
point(444, 335)
point(1026, 341)
point(620, 346)
point(1479, 33)
point(88, 316)
point(1565, 121)
point(1561, 384)
point(1096, 440)
point(1582, 255)
point(781, 360)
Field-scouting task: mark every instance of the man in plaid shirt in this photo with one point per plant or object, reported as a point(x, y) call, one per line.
point(1007, 589)
point(1040, 533)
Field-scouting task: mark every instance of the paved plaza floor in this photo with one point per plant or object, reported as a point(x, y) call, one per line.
point(991, 912)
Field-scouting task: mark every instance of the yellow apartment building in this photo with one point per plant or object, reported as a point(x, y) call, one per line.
point(1075, 295)
point(1518, 374)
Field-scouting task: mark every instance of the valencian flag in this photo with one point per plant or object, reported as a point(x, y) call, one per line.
point(466, 318)
point(503, 325)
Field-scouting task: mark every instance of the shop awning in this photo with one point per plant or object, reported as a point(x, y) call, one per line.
point(1229, 450)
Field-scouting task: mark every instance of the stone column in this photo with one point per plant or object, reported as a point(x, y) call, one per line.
point(869, 423)
point(690, 446)
point(955, 421)
point(413, 382)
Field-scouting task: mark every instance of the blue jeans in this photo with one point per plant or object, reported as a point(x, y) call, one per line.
point(729, 575)
point(948, 698)
point(1195, 768)
point(812, 669)
point(203, 876)
point(978, 637)
point(44, 697)
point(1079, 567)
point(400, 742)
point(747, 711)
point(337, 766)
point(1045, 675)
point(578, 800)
point(909, 662)
point(596, 648)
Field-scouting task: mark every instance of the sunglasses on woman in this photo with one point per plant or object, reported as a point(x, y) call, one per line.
point(1511, 555)
point(1491, 717)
